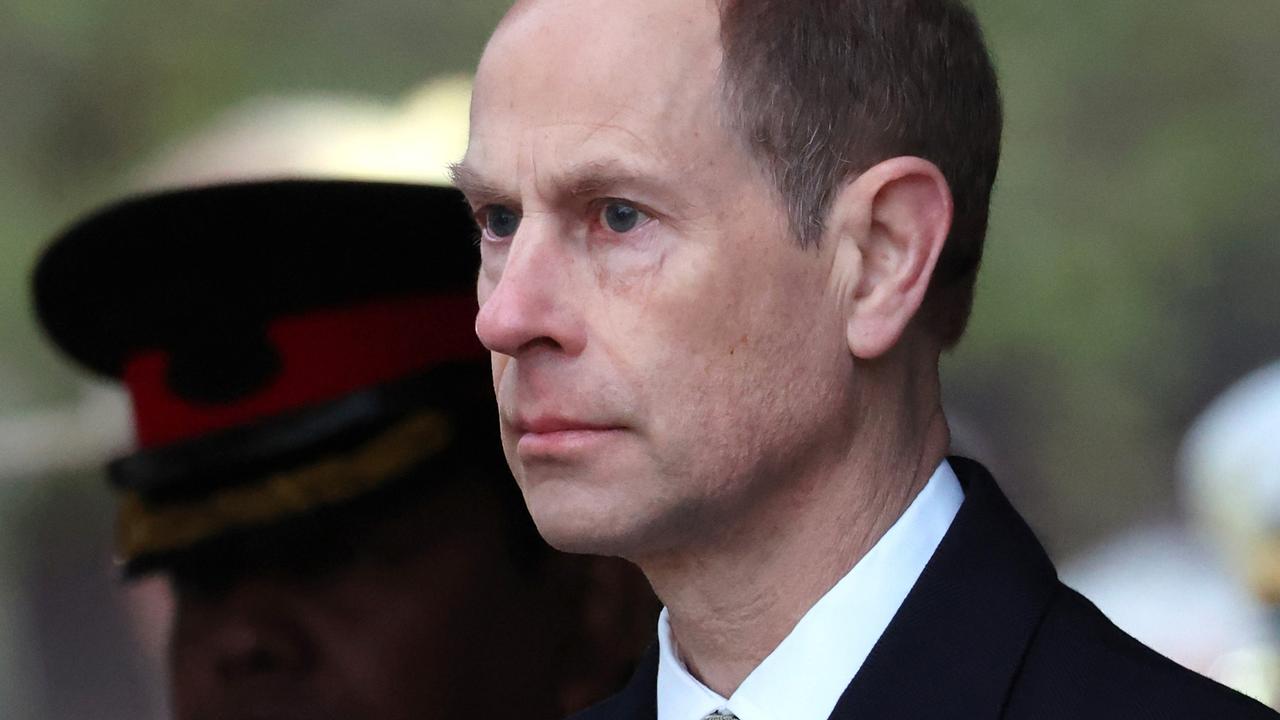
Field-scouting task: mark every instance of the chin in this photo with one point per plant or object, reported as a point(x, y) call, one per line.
point(576, 519)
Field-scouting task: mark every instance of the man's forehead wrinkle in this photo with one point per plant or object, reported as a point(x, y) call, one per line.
point(641, 144)
point(593, 176)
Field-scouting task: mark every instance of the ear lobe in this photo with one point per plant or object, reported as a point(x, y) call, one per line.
point(897, 217)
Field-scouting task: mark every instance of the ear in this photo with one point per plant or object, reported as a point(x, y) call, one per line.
point(889, 226)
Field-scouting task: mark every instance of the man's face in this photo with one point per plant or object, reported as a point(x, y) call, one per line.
point(415, 617)
point(663, 351)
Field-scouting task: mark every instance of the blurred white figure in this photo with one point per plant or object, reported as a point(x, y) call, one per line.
point(1231, 475)
point(1165, 586)
point(1207, 595)
point(325, 136)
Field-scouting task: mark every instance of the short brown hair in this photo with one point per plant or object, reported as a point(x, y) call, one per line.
point(821, 90)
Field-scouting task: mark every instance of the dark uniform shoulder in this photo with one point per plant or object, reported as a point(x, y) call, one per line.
point(1081, 665)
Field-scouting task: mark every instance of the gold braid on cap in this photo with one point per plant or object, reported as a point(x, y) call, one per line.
point(145, 529)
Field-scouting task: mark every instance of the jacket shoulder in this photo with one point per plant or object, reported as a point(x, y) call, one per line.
point(1079, 664)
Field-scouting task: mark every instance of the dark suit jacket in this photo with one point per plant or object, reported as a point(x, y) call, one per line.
point(988, 631)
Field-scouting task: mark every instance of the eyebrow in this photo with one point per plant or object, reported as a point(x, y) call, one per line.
point(595, 177)
point(583, 180)
point(478, 190)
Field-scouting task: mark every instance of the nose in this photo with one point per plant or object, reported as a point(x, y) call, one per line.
point(531, 303)
point(256, 631)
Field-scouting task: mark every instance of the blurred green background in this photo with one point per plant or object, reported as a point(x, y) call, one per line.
point(1131, 272)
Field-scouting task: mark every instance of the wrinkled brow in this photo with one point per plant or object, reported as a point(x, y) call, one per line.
point(585, 180)
point(593, 178)
point(479, 191)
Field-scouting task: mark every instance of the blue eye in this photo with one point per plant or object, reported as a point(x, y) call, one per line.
point(500, 220)
point(622, 218)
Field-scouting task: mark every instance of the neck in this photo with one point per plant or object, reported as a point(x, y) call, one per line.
point(782, 558)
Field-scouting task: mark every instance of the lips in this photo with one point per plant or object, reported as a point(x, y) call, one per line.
point(548, 436)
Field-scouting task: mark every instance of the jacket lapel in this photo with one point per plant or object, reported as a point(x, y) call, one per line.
point(956, 644)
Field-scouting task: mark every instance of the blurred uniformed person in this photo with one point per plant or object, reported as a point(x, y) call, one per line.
point(318, 472)
point(1230, 467)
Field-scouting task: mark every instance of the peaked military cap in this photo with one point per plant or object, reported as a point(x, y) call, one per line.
point(286, 345)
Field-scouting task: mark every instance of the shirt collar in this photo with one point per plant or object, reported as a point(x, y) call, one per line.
point(803, 678)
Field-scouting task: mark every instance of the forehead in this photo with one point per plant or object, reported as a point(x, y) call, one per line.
point(568, 78)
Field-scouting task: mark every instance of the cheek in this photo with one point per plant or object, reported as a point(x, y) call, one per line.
point(739, 348)
point(707, 325)
point(676, 339)
point(706, 315)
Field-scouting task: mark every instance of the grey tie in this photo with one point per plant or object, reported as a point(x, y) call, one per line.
point(721, 715)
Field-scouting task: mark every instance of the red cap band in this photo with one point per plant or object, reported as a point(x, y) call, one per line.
point(323, 356)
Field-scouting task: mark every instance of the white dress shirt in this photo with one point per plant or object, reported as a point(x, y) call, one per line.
point(803, 678)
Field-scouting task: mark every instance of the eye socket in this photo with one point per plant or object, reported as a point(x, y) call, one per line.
point(499, 221)
point(622, 217)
